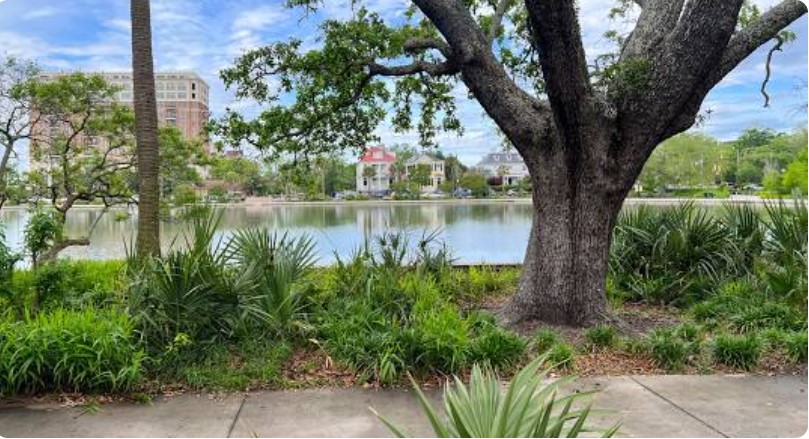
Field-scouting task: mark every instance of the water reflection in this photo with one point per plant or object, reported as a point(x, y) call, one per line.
point(476, 232)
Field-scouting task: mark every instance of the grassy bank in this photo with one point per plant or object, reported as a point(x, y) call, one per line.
point(691, 292)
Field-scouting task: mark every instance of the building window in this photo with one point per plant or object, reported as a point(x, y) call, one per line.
point(193, 95)
point(365, 181)
point(193, 86)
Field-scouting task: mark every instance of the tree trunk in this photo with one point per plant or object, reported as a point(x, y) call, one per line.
point(148, 240)
point(566, 261)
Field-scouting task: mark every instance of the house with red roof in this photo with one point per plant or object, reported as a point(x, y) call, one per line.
point(374, 174)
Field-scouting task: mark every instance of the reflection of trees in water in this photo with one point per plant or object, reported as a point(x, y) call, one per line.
point(351, 222)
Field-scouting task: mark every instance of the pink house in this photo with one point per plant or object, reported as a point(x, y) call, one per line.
point(374, 174)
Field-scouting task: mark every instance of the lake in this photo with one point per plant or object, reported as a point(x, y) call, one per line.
point(476, 232)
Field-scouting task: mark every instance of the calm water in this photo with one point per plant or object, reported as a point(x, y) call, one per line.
point(479, 232)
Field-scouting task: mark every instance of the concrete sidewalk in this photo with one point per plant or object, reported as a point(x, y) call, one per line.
point(649, 406)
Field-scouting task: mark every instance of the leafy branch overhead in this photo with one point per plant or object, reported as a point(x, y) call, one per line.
point(334, 95)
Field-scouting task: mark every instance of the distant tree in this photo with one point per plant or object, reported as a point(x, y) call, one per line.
point(795, 176)
point(240, 171)
point(89, 154)
point(148, 152)
point(754, 137)
point(17, 82)
point(179, 161)
point(475, 182)
point(454, 169)
point(420, 174)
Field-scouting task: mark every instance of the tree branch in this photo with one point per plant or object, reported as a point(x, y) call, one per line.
point(497, 22)
point(776, 48)
point(416, 45)
point(555, 28)
point(746, 41)
point(433, 69)
point(522, 118)
point(656, 20)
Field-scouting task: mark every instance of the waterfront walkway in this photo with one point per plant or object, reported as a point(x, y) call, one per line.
point(648, 406)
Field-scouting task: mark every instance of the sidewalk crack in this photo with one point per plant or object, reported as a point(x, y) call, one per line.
point(238, 413)
point(678, 407)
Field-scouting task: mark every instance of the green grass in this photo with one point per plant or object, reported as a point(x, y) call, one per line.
point(601, 336)
point(246, 365)
point(737, 351)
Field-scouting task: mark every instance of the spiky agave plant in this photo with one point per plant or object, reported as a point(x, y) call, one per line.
point(530, 406)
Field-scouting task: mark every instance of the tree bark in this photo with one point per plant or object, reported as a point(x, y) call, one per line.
point(148, 240)
point(564, 274)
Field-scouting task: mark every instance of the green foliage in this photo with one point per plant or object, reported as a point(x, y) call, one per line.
point(795, 177)
point(796, 346)
point(496, 346)
point(737, 351)
point(246, 365)
point(475, 182)
point(545, 339)
point(92, 154)
point(528, 407)
point(480, 282)
point(561, 356)
point(43, 229)
point(668, 350)
point(72, 351)
point(214, 289)
point(602, 336)
point(384, 312)
point(742, 307)
point(178, 158)
point(671, 254)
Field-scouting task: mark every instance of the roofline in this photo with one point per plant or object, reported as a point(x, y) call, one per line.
point(191, 73)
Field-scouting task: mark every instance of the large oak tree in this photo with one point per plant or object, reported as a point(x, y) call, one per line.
point(584, 127)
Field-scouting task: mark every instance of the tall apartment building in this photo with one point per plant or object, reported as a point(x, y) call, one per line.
point(182, 101)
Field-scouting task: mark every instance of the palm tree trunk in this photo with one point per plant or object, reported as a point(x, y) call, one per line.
point(148, 240)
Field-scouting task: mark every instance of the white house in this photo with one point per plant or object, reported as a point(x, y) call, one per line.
point(508, 165)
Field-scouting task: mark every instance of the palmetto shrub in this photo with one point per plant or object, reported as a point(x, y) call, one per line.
point(530, 406)
point(785, 250)
point(670, 254)
point(73, 351)
point(211, 288)
point(797, 345)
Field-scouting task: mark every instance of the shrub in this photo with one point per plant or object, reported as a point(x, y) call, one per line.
point(74, 351)
point(602, 336)
point(737, 351)
point(526, 408)
point(774, 338)
point(562, 356)
point(797, 346)
point(667, 350)
point(497, 346)
point(545, 339)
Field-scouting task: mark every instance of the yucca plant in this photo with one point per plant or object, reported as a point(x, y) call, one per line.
point(530, 406)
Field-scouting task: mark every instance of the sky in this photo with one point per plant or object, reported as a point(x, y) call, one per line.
point(205, 36)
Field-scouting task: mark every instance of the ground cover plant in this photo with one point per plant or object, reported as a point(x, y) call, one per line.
point(692, 291)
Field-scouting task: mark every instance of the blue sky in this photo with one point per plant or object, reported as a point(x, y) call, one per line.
point(206, 35)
